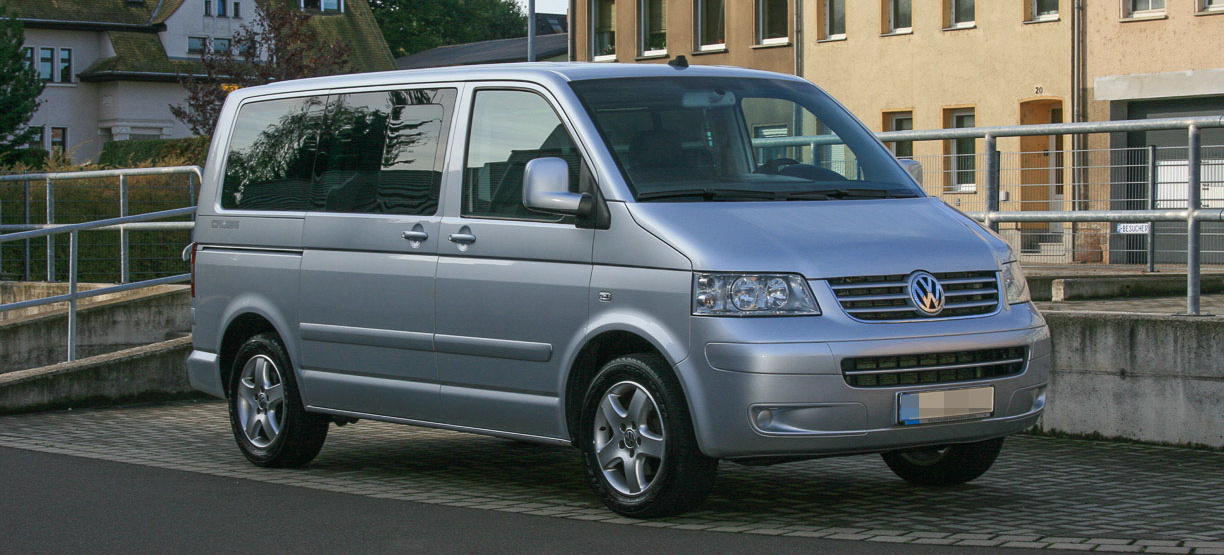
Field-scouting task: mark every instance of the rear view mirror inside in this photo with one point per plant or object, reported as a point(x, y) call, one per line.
point(708, 99)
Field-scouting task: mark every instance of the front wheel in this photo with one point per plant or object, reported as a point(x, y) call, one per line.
point(638, 443)
point(945, 466)
point(269, 422)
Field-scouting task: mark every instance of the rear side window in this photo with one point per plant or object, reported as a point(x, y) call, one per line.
point(375, 153)
point(510, 128)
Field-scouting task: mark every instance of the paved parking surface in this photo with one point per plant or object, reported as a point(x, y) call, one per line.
point(1042, 493)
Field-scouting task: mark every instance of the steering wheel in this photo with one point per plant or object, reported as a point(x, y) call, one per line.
point(774, 166)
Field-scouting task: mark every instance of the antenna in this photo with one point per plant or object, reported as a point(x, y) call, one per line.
point(679, 63)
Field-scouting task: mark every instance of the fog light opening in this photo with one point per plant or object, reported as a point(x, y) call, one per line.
point(764, 418)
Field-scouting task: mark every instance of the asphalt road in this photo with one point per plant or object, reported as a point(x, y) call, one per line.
point(61, 504)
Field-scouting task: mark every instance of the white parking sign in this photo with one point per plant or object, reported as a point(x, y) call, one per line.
point(1133, 229)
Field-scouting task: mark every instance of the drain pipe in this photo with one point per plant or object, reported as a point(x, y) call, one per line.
point(799, 39)
point(1078, 104)
point(572, 40)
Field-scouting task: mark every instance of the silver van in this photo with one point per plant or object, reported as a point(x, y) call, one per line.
point(664, 266)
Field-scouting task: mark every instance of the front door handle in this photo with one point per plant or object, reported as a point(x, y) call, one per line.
point(416, 235)
point(463, 238)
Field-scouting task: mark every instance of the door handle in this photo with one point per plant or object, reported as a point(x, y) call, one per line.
point(416, 235)
point(462, 238)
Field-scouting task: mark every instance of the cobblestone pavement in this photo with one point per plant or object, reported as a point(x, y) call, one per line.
point(1042, 492)
point(1210, 305)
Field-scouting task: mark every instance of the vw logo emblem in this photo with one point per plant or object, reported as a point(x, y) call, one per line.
point(926, 293)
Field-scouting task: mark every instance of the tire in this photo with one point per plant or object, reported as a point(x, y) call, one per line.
point(270, 424)
point(947, 466)
point(674, 475)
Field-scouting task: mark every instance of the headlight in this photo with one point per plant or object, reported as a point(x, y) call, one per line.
point(751, 295)
point(1014, 283)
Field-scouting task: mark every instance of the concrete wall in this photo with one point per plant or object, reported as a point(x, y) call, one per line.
point(135, 107)
point(1142, 377)
point(103, 328)
point(149, 373)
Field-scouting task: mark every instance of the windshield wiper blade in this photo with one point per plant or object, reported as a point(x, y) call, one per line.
point(843, 193)
point(708, 194)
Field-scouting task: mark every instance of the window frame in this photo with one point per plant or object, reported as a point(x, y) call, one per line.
point(1207, 7)
point(892, 28)
point(60, 66)
point(221, 11)
point(208, 8)
point(51, 139)
point(237, 10)
point(594, 31)
point(953, 22)
point(1129, 10)
point(699, 19)
point(458, 157)
point(30, 54)
point(229, 43)
point(203, 46)
point(51, 73)
point(952, 185)
point(891, 118)
point(761, 10)
point(826, 29)
point(42, 137)
point(644, 29)
point(1036, 16)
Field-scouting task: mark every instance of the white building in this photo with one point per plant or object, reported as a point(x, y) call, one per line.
point(112, 66)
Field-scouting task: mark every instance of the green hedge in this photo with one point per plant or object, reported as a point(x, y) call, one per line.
point(159, 152)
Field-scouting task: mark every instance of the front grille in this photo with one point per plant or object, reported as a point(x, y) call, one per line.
point(884, 298)
point(934, 368)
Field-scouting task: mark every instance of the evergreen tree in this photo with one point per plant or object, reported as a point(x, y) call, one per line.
point(19, 87)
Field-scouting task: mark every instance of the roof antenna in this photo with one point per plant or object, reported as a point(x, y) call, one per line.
point(679, 63)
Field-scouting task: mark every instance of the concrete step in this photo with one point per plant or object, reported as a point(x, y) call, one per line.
point(155, 372)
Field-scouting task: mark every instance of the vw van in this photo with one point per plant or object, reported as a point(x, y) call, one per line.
point(663, 266)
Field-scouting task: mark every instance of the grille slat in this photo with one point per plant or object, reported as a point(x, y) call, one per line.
point(934, 368)
point(886, 298)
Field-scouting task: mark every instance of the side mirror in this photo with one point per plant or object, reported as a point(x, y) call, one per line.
point(913, 168)
point(546, 189)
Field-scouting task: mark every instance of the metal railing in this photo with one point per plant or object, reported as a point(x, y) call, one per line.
point(193, 173)
point(1193, 215)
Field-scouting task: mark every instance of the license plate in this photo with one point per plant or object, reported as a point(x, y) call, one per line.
point(940, 406)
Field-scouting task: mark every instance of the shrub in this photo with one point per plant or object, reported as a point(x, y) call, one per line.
point(157, 152)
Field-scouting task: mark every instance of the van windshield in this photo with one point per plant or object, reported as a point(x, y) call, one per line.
point(693, 139)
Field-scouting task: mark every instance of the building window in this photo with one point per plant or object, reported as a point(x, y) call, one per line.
point(1045, 10)
point(603, 25)
point(65, 65)
point(221, 46)
point(711, 26)
point(834, 13)
point(195, 45)
point(237, 9)
point(900, 16)
point(312, 5)
point(59, 139)
point(653, 25)
point(1212, 6)
point(961, 14)
point(27, 54)
point(333, 6)
point(962, 153)
point(38, 138)
point(1141, 8)
point(46, 64)
point(208, 7)
point(221, 8)
point(773, 20)
point(901, 121)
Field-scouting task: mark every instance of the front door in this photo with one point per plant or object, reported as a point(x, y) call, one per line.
point(370, 253)
point(512, 283)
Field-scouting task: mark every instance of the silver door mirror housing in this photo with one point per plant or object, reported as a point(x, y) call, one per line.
point(546, 188)
point(914, 169)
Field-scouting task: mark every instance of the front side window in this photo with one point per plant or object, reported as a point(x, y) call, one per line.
point(603, 30)
point(46, 64)
point(962, 13)
point(711, 25)
point(963, 154)
point(195, 45)
point(694, 139)
point(1045, 10)
point(773, 25)
point(509, 129)
point(900, 16)
point(654, 27)
point(65, 65)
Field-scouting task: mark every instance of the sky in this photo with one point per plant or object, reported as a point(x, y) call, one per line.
point(547, 6)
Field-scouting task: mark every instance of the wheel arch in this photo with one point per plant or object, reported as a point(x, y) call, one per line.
point(245, 320)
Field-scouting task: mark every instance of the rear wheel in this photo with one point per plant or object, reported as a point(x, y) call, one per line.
point(270, 424)
point(949, 465)
point(638, 443)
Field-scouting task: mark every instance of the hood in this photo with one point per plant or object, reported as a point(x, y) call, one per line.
point(823, 239)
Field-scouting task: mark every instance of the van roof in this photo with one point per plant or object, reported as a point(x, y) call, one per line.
point(538, 72)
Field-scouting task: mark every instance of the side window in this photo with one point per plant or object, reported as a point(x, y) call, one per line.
point(509, 129)
point(381, 152)
point(272, 154)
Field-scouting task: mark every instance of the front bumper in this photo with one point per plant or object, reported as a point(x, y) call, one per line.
point(814, 412)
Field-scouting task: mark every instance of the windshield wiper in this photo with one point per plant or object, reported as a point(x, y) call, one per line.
point(844, 193)
point(709, 194)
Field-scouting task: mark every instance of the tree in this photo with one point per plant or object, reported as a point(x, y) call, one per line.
point(19, 87)
point(411, 26)
point(278, 45)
